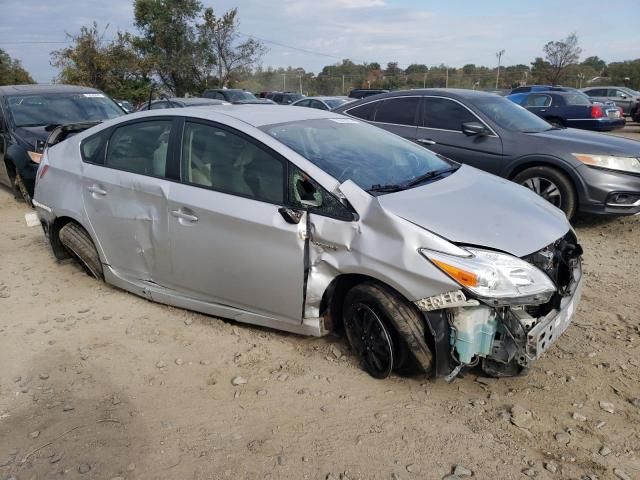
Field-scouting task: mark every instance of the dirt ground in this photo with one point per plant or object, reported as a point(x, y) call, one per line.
point(97, 383)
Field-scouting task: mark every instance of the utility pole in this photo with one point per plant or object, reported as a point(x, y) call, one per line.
point(446, 78)
point(284, 82)
point(424, 80)
point(343, 84)
point(499, 55)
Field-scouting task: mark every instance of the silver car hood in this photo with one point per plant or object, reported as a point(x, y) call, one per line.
point(476, 208)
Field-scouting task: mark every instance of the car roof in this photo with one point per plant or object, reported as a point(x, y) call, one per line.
point(251, 114)
point(44, 89)
point(194, 100)
point(447, 92)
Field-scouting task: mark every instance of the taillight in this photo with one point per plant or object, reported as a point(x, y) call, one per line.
point(42, 171)
point(596, 111)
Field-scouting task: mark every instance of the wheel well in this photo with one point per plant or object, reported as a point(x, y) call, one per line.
point(333, 297)
point(540, 163)
point(58, 249)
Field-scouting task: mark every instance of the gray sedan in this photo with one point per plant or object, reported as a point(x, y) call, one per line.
point(312, 222)
point(322, 103)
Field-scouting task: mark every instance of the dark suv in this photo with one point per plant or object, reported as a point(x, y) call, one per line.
point(284, 98)
point(366, 92)
point(575, 170)
point(29, 113)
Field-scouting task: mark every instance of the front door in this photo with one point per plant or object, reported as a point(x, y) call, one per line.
point(125, 196)
point(441, 131)
point(229, 243)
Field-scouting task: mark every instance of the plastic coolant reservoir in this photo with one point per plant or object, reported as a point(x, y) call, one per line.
point(475, 329)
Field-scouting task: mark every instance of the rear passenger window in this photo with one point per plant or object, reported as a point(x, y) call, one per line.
point(140, 148)
point(92, 148)
point(365, 112)
point(399, 111)
point(538, 101)
point(221, 160)
point(445, 114)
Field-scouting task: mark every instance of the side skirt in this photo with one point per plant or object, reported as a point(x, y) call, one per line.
point(154, 292)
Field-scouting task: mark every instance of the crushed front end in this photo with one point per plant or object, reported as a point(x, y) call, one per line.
point(502, 334)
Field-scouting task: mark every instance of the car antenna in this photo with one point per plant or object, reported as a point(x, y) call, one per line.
point(150, 97)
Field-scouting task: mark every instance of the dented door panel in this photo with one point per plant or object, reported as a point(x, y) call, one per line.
point(128, 213)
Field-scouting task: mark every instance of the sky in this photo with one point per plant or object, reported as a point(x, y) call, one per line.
point(453, 32)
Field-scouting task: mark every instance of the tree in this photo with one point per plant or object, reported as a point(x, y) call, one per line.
point(220, 36)
point(11, 71)
point(595, 62)
point(170, 44)
point(560, 55)
point(113, 67)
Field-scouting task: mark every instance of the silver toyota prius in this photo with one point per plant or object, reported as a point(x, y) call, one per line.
point(312, 222)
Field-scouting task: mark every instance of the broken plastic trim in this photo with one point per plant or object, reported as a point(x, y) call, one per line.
point(456, 298)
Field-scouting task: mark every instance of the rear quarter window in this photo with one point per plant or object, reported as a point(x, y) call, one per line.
point(92, 148)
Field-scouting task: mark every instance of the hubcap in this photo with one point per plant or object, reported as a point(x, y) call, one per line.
point(546, 189)
point(371, 341)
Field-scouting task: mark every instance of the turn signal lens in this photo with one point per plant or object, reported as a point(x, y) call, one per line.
point(35, 157)
point(468, 279)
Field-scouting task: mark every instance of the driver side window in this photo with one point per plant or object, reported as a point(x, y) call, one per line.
point(306, 193)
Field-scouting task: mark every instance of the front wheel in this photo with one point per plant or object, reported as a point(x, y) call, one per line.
point(371, 315)
point(22, 189)
point(552, 185)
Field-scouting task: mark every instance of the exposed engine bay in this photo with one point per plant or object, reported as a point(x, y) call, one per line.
point(504, 339)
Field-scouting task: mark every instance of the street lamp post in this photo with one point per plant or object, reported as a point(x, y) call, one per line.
point(499, 55)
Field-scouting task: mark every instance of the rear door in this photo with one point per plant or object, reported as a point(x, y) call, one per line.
point(229, 243)
point(440, 130)
point(598, 94)
point(398, 115)
point(541, 105)
point(125, 195)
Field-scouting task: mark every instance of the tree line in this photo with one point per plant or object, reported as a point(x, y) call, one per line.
point(181, 48)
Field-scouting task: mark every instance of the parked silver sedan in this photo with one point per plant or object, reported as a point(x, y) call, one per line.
point(312, 222)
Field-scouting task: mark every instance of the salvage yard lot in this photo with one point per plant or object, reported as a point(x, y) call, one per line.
point(98, 383)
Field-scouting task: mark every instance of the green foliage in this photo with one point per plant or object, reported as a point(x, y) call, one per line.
point(560, 55)
point(11, 71)
point(113, 67)
point(170, 45)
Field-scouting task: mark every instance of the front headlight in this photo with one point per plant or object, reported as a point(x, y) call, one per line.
point(624, 164)
point(495, 276)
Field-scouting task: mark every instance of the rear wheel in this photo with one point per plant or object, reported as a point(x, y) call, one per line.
point(79, 244)
point(22, 189)
point(370, 313)
point(552, 185)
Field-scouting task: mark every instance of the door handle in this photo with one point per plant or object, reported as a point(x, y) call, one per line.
point(543, 110)
point(182, 214)
point(97, 190)
point(426, 141)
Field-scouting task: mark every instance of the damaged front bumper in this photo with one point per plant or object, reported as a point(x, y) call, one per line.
point(502, 340)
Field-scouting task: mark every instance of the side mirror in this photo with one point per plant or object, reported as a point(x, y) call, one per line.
point(473, 128)
point(307, 193)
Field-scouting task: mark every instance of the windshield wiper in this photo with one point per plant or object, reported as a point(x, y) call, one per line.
point(429, 176)
point(377, 188)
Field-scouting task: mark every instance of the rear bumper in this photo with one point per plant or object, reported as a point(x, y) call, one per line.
point(599, 125)
point(606, 192)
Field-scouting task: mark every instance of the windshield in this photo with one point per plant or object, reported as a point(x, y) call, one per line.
point(351, 150)
point(510, 116)
point(335, 102)
point(61, 109)
point(238, 96)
